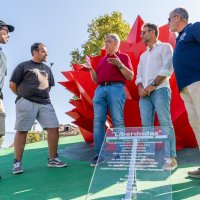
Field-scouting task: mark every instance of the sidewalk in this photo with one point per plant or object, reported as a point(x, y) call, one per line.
point(41, 183)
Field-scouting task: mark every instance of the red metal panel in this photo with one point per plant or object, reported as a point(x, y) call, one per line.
point(80, 83)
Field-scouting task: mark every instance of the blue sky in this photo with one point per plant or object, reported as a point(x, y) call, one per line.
point(62, 26)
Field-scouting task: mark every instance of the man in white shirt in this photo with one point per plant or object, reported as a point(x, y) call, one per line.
point(154, 71)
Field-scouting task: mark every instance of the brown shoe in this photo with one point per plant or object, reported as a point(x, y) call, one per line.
point(194, 174)
point(170, 164)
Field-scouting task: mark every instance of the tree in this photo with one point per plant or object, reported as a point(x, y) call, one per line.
point(98, 29)
point(35, 136)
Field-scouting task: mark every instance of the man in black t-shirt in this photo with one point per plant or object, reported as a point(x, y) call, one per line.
point(31, 81)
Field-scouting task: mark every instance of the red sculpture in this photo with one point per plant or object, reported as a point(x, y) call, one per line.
point(80, 84)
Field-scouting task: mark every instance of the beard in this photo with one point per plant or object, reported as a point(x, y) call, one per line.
point(3, 40)
point(145, 41)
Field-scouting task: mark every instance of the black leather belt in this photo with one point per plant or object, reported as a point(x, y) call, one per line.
point(111, 83)
point(1, 95)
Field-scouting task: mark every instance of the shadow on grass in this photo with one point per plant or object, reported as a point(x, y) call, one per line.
point(41, 183)
point(185, 190)
point(189, 189)
point(38, 182)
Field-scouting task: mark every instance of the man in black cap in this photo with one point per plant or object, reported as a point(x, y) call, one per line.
point(4, 30)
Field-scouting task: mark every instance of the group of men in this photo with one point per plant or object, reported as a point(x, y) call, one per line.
point(31, 82)
point(154, 70)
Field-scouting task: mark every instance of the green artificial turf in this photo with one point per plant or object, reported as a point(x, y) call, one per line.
point(38, 182)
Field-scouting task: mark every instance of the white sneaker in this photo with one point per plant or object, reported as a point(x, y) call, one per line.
point(170, 164)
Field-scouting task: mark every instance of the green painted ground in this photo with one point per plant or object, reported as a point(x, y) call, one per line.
point(41, 183)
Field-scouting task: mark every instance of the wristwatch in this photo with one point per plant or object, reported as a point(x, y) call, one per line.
point(120, 67)
point(154, 83)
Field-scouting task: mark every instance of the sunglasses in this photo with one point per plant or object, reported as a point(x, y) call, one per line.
point(144, 32)
point(169, 19)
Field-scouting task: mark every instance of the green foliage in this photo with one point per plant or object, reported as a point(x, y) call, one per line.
point(98, 29)
point(35, 136)
point(75, 98)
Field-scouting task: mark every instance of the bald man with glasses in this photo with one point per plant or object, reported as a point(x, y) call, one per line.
point(186, 62)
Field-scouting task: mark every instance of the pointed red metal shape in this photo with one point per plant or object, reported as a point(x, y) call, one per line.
point(80, 83)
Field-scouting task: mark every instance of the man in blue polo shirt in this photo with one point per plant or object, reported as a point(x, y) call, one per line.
point(186, 62)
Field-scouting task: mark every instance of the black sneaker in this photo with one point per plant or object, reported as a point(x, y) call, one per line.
point(56, 162)
point(17, 167)
point(97, 160)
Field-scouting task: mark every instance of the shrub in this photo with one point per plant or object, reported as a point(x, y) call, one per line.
point(35, 136)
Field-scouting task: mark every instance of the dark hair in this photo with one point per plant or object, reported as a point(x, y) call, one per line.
point(35, 47)
point(152, 27)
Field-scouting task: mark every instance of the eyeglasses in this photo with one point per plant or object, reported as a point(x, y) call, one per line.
point(169, 19)
point(144, 32)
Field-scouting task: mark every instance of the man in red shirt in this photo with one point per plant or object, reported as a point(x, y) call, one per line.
point(111, 74)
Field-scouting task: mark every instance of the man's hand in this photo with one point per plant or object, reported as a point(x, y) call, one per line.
point(141, 91)
point(149, 89)
point(93, 73)
point(13, 87)
point(87, 65)
point(115, 61)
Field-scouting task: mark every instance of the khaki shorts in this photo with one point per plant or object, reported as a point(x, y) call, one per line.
point(2, 118)
point(27, 112)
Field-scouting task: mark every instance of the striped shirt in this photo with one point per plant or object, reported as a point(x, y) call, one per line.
point(3, 69)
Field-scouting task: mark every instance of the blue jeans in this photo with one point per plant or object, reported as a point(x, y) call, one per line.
point(110, 97)
point(159, 102)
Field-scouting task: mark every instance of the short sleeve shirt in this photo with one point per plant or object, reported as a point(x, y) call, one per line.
point(107, 72)
point(3, 62)
point(33, 81)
